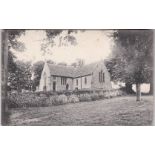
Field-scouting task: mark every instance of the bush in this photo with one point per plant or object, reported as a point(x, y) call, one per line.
point(16, 100)
point(42, 95)
point(49, 101)
point(54, 99)
point(85, 97)
point(107, 94)
point(112, 93)
point(59, 99)
point(120, 93)
point(101, 95)
point(45, 93)
point(26, 100)
point(73, 99)
point(11, 103)
point(62, 99)
point(95, 96)
point(41, 101)
point(83, 91)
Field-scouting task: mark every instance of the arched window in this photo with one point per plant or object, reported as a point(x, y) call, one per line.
point(63, 81)
point(44, 77)
point(85, 80)
point(101, 77)
point(77, 82)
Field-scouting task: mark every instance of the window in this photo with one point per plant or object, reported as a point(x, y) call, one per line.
point(101, 77)
point(85, 80)
point(54, 77)
point(63, 81)
point(76, 81)
point(44, 78)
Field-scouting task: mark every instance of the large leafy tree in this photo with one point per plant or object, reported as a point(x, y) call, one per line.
point(11, 62)
point(132, 57)
point(63, 40)
point(8, 38)
point(21, 77)
point(12, 67)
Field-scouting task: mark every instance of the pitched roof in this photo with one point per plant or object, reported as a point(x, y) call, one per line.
point(69, 71)
point(60, 70)
point(85, 70)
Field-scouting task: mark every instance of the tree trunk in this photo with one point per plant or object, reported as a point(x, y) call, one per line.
point(4, 52)
point(129, 88)
point(138, 91)
point(151, 87)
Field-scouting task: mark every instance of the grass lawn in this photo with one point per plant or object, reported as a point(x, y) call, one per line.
point(115, 111)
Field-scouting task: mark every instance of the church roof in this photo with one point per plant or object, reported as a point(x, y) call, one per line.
point(69, 71)
point(59, 70)
point(85, 70)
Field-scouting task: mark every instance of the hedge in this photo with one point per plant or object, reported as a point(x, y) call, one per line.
point(41, 99)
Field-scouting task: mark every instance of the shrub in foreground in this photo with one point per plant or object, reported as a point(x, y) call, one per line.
point(59, 99)
point(101, 95)
point(62, 99)
point(84, 97)
point(26, 100)
point(41, 100)
point(95, 96)
point(73, 99)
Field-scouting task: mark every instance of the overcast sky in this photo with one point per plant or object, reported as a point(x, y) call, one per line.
point(92, 45)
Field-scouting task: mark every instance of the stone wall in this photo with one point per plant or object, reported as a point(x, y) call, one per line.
point(81, 82)
point(45, 79)
point(60, 87)
point(106, 85)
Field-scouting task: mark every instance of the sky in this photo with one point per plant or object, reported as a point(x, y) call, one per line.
point(92, 45)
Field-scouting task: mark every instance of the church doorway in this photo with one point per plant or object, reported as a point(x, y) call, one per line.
point(54, 86)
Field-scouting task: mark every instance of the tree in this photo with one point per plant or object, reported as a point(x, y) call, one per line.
point(74, 64)
point(11, 67)
point(50, 62)
point(8, 38)
point(132, 59)
point(115, 65)
point(4, 52)
point(64, 40)
point(23, 75)
point(20, 78)
point(80, 62)
point(11, 62)
point(62, 64)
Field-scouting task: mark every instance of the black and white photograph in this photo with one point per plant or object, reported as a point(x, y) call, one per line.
point(77, 77)
point(67, 77)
